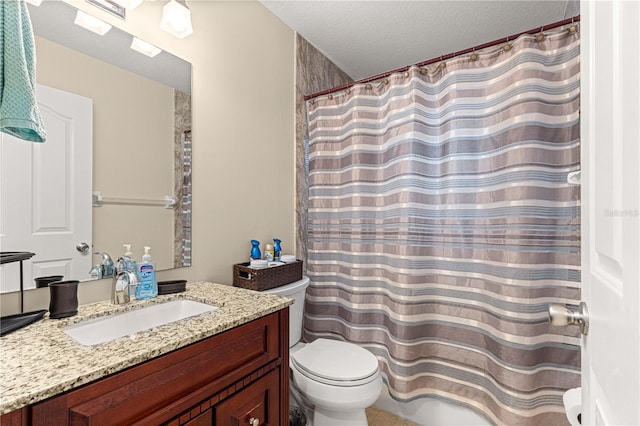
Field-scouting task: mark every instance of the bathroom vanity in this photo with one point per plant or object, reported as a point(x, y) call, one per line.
point(229, 367)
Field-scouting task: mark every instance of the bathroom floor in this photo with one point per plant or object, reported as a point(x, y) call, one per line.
point(378, 417)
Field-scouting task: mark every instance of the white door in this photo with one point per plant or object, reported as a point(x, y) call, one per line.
point(45, 205)
point(610, 37)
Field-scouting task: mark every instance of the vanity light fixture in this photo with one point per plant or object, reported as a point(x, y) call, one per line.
point(145, 48)
point(129, 4)
point(91, 23)
point(176, 18)
point(35, 2)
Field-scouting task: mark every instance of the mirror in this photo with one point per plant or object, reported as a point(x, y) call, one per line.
point(141, 132)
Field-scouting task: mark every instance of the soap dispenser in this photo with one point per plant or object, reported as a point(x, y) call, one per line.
point(129, 264)
point(148, 287)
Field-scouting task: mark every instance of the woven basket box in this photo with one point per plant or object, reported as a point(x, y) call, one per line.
point(266, 278)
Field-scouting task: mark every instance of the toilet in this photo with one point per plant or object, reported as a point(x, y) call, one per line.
point(337, 379)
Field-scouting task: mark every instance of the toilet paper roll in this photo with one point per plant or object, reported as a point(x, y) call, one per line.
point(258, 263)
point(573, 405)
point(288, 258)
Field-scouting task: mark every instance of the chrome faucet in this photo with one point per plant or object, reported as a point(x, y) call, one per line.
point(124, 284)
point(105, 268)
point(96, 272)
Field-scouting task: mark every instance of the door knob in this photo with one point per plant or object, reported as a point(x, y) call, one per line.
point(254, 422)
point(561, 315)
point(83, 247)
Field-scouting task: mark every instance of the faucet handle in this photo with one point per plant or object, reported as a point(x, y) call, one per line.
point(124, 284)
point(107, 264)
point(96, 271)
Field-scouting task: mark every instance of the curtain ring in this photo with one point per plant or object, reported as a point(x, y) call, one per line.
point(540, 36)
point(572, 28)
point(406, 74)
point(423, 71)
point(348, 91)
point(368, 86)
point(507, 47)
point(330, 97)
point(474, 56)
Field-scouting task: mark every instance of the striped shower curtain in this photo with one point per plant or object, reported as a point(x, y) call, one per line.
point(441, 226)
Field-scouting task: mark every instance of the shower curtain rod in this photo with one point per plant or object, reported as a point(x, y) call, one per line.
point(447, 56)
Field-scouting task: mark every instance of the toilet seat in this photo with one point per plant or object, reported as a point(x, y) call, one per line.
point(336, 363)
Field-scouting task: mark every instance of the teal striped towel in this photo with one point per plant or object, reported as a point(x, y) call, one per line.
point(19, 114)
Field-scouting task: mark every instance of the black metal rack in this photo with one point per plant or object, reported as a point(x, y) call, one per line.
point(17, 256)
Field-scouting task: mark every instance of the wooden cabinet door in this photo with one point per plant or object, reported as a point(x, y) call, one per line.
point(256, 405)
point(18, 417)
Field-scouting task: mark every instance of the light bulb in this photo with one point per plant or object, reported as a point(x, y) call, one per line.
point(178, 25)
point(91, 23)
point(176, 19)
point(145, 48)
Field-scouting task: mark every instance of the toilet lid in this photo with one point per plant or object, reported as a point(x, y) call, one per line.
point(335, 361)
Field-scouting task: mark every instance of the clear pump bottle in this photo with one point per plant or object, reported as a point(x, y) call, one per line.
point(129, 264)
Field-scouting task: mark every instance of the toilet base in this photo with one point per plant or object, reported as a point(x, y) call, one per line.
point(339, 418)
point(321, 417)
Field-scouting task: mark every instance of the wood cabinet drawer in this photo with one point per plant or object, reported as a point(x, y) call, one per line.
point(256, 405)
point(155, 391)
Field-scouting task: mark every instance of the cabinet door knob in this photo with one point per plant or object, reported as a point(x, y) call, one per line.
point(254, 422)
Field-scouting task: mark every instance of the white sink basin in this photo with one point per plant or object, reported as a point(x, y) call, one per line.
point(105, 329)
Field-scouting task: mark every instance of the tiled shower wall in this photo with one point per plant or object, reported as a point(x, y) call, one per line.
point(314, 73)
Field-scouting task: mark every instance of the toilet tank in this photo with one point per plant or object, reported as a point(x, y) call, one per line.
point(296, 291)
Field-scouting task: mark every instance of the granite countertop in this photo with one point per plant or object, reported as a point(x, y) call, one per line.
point(40, 360)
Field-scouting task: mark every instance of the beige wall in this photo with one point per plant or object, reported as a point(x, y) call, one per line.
point(133, 149)
point(243, 133)
point(243, 126)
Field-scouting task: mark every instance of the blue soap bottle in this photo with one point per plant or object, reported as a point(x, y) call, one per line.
point(148, 287)
point(255, 250)
point(277, 250)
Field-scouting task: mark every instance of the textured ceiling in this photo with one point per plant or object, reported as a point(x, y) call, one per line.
point(365, 38)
